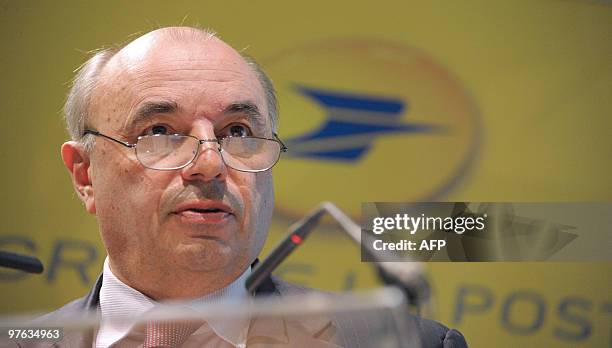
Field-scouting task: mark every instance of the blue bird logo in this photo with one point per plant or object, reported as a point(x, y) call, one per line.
point(353, 122)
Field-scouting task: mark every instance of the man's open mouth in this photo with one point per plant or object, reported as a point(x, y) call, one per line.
point(203, 211)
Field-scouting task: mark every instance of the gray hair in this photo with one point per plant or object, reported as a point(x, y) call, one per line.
point(87, 78)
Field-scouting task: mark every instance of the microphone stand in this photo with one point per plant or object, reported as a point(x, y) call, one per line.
point(407, 275)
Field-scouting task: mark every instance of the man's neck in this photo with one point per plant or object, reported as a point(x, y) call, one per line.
point(175, 285)
point(120, 301)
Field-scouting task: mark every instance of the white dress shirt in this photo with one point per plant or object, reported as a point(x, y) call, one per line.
point(119, 302)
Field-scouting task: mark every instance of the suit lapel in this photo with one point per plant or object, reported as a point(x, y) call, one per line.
point(85, 338)
point(92, 299)
point(291, 332)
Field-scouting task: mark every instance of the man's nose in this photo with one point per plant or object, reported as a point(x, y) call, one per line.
point(208, 164)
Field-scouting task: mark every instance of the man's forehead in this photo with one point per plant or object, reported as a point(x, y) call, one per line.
point(160, 49)
point(158, 55)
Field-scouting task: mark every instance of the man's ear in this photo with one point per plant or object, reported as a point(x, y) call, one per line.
point(76, 160)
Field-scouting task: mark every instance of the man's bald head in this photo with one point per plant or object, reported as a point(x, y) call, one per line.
point(78, 111)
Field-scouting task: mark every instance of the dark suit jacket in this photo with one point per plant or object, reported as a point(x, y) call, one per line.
point(348, 332)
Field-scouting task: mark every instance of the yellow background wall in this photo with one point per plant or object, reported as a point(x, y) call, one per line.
point(532, 77)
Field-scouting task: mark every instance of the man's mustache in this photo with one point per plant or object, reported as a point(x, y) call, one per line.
point(209, 191)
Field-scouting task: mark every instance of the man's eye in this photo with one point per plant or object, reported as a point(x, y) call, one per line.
point(238, 130)
point(157, 129)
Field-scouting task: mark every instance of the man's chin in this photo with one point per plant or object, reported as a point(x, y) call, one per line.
point(206, 255)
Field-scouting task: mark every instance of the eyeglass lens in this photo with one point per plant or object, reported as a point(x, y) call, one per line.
point(161, 151)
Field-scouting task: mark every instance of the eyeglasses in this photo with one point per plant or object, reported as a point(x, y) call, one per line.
point(176, 151)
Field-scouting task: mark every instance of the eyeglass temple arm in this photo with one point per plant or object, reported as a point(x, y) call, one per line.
point(283, 146)
point(96, 133)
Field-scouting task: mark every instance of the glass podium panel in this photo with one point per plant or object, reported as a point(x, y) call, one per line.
point(370, 319)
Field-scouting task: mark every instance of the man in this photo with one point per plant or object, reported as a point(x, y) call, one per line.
point(173, 136)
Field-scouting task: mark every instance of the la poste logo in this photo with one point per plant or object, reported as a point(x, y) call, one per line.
point(368, 120)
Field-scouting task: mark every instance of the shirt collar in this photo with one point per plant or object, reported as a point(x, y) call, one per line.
point(120, 301)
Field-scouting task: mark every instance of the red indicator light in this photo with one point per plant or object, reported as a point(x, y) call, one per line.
point(296, 239)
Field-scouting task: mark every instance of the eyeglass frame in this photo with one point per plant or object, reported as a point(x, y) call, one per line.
point(283, 148)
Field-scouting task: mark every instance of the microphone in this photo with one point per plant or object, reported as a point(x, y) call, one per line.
point(20, 262)
point(408, 275)
point(297, 233)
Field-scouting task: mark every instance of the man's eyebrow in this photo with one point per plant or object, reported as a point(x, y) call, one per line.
point(248, 109)
point(244, 107)
point(148, 109)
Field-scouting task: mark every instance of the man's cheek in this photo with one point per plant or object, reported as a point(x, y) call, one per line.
point(266, 191)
